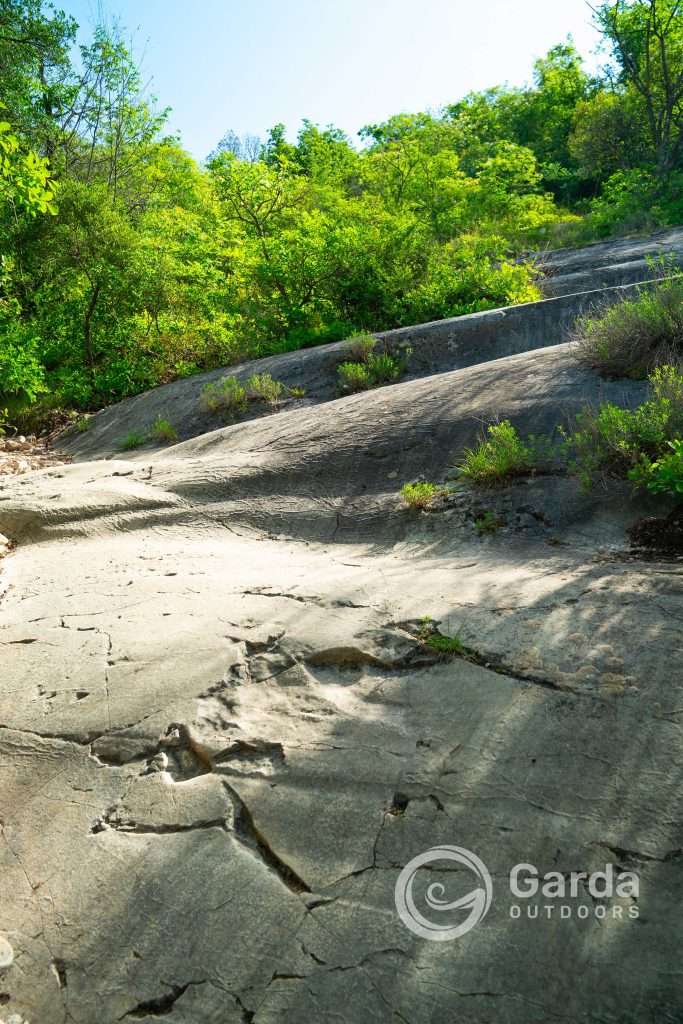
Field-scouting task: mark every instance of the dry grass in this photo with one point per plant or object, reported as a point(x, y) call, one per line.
point(635, 336)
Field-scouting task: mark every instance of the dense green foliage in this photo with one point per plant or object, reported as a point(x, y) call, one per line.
point(124, 264)
point(665, 474)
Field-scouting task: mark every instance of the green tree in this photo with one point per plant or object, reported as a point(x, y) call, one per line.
point(645, 38)
point(607, 135)
point(37, 80)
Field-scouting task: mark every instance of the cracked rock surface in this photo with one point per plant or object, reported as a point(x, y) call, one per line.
point(221, 737)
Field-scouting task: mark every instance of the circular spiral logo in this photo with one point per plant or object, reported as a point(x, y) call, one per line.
point(477, 902)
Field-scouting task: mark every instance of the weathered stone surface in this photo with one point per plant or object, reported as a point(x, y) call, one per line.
point(576, 281)
point(221, 740)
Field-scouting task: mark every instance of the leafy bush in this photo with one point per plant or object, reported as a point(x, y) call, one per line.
point(420, 495)
point(622, 442)
point(261, 386)
point(665, 475)
point(633, 337)
point(132, 441)
point(499, 456)
point(163, 431)
point(22, 376)
point(625, 204)
point(635, 200)
point(227, 396)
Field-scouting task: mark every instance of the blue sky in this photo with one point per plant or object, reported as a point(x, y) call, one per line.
point(248, 64)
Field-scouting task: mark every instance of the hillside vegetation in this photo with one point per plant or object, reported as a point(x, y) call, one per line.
point(125, 263)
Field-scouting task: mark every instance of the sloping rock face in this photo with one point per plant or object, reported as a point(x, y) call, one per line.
point(621, 261)
point(224, 739)
point(576, 282)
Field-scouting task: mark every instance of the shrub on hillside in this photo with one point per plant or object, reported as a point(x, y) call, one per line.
point(612, 441)
point(664, 475)
point(22, 376)
point(633, 337)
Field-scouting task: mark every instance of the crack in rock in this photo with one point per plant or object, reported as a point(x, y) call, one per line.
point(151, 829)
point(161, 1006)
point(253, 838)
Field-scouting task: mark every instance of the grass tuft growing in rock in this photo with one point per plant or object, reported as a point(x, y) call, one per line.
point(262, 387)
point(368, 368)
point(445, 644)
point(500, 456)
point(163, 432)
point(436, 641)
point(633, 337)
point(359, 348)
point(226, 396)
point(420, 495)
point(132, 441)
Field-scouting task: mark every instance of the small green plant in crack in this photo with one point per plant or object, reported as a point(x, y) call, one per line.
point(488, 522)
point(385, 368)
point(163, 432)
point(420, 495)
point(430, 635)
point(445, 644)
point(132, 441)
point(296, 392)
